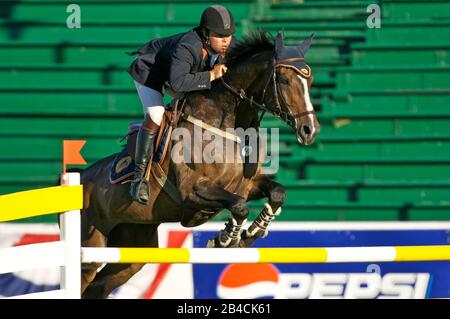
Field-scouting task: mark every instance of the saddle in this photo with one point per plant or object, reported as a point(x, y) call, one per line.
point(123, 165)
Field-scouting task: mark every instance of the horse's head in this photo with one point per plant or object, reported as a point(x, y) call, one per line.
point(289, 84)
point(284, 83)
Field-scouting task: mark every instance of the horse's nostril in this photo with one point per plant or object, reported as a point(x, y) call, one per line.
point(306, 129)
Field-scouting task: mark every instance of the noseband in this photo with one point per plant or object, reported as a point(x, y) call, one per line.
point(278, 110)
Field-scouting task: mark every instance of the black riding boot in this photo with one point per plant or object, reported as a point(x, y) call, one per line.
point(139, 189)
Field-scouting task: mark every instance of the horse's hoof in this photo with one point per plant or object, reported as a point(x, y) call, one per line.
point(210, 244)
point(215, 243)
point(246, 240)
point(255, 233)
point(247, 243)
point(235, 244)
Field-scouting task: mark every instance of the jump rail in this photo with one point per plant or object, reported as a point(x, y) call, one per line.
point(266, 255)
point(69, 254)
point(67, 198)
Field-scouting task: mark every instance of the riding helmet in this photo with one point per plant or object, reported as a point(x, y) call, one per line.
point(218, 19)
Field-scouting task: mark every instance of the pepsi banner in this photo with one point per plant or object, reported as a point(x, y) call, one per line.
point(415, 280)
point(285, 281)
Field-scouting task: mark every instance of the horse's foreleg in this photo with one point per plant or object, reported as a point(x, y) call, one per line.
point(275, 192)
point(209, 195)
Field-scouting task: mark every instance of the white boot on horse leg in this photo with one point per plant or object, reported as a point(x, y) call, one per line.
point(230, 237)
point(259, 227)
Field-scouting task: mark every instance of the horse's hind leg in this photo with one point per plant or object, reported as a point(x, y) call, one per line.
point(115, 275)
point(88, 271)
point(109, 278)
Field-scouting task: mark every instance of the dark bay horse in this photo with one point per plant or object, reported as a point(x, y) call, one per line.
point(263, 75)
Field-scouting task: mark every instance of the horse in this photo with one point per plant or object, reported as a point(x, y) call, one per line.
point(264, 75)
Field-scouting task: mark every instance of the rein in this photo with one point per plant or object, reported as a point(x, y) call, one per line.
point(278, 111)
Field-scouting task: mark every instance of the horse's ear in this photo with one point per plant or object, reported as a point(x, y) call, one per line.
point(305, 45)
point(279, 41)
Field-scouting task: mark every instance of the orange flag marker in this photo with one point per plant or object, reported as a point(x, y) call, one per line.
point(71, 153)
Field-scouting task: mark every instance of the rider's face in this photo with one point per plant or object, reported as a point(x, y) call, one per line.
point(219, 43)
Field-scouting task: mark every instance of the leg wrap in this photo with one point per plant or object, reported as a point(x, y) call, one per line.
point(260, 224)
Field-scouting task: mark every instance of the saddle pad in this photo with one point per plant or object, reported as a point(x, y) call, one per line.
point(123, 165)
point(122, 168)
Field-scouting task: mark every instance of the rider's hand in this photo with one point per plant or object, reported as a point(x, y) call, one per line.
point(218, 71)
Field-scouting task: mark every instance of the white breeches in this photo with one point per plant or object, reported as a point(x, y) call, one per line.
point(152, 102)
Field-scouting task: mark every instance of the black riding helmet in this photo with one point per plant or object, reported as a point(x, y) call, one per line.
point(218, 19)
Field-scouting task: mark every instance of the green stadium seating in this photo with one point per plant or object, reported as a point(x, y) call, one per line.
point(120, 11)
point(411, 32)
point(381, 96)
point(414, 9)
point(317, 10)
point(388, 54)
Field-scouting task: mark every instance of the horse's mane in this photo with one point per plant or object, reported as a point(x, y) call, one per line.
point(254, 42)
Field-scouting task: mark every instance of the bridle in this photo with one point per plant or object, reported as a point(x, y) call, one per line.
point(278, 110)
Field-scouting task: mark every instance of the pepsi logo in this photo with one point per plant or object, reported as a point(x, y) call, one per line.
point(251, 281)
point(248, 281)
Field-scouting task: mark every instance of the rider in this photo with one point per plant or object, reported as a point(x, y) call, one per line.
point(184, 62)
